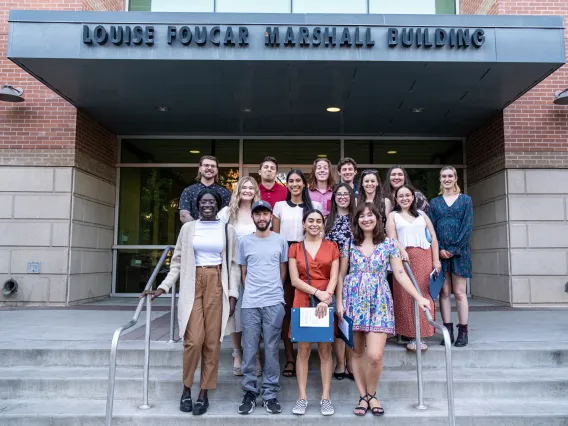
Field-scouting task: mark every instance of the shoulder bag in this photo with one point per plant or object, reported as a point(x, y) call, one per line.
point(313, 299)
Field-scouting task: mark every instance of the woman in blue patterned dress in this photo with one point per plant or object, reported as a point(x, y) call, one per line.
point(363, 294)
point(451, 214)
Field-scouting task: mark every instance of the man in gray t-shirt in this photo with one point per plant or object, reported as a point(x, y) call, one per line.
point(262, 256)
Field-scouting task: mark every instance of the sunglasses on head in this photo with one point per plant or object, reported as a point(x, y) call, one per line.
point(369, 171)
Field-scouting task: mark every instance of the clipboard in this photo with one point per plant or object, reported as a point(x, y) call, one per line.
point(347, 339)
point(311, 334)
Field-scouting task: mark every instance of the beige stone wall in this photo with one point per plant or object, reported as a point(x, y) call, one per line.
point(520, 237)
point(489, 239)
point(91, 238)
point(538, 226)
point(63, 218)
point(35, 211)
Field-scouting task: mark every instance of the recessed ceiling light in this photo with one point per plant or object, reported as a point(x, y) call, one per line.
point(194, 151)
point(333, 109)
point(417, 109)
point(163, 108)
point(322, 155)
point(391, 152)
point(244, 109)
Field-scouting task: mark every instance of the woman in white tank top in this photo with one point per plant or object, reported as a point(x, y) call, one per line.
point(408, 225)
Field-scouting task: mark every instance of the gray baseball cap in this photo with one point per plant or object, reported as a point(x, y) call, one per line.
point(262, 204)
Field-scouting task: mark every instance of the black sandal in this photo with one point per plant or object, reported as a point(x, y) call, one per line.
point(289, 372)
point(377, 411)
point(339, 376)
point(348, 374)
point(359, 407)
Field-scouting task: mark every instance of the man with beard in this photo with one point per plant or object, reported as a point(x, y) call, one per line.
point(207, 177)
point(262, 256)
point(270, 190)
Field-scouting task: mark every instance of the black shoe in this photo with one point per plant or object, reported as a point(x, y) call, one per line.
point(185, 403)
point(272, 406)
point(248, 404)
point(462, 339)
point(450, 327)
point(200, 407)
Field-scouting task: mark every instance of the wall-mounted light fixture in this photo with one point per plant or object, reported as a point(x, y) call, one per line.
point(11, 94)
point(561, 97)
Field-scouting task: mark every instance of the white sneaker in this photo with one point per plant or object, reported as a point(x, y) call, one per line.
point(326, 407)
point(300, 407)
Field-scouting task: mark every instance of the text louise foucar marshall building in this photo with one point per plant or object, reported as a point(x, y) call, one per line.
point(301, 36)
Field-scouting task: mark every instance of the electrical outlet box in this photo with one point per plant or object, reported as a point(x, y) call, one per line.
point(34, 267)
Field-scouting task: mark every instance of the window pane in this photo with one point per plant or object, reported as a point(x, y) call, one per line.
point(405, 152)
point(291, 151)
point(149, 200)
point(330, 6)
point(178, 150)
point(134, 267)
point(254, 6)
point(183, 6)
point(446, 7)
point(140, 5)
point(404, 7)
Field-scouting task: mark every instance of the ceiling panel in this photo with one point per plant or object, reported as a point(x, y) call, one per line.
point(288, 98)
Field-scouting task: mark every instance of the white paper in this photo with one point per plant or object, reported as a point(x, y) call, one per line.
point(308, 318)
point(344, 327)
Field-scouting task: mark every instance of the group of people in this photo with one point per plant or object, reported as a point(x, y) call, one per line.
point(244, 260)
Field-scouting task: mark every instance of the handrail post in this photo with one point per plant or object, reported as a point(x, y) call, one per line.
point(449, 377)
point(173, 314)
point(145, 404)
point(420, 404)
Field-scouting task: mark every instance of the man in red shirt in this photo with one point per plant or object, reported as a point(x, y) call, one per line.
point(270, 191)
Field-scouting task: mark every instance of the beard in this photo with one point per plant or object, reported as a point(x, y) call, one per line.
point(263, 227)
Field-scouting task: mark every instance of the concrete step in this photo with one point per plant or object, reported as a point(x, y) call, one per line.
point(471, 412)
point(131, 353)
point(165, 383)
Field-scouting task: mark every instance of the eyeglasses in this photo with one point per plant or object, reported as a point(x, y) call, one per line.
point(207, 202)
point(339, 195)
point(369, 171)
point(209, 166)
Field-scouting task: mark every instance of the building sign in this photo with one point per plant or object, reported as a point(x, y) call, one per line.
point(275, 37)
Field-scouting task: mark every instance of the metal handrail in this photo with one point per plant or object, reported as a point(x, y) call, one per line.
point(128, 325)
point(448, 347)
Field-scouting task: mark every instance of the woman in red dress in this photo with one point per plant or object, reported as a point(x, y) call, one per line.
point(323, 266)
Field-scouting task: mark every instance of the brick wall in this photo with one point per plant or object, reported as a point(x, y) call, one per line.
point(485, 150)
point(102, 5)
point(95, 148)
point(479, 7)
point(534, 130)
point(46, 130)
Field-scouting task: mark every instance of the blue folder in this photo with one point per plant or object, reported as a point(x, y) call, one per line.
point(436, 284)
point(347, 339)
point(310, 334)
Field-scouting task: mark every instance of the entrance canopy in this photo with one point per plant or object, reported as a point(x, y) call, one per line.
point(259, 74)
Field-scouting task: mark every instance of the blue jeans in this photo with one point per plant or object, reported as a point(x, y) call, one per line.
point(265, 322)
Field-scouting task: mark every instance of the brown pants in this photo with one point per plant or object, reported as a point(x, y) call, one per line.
point(203, 332)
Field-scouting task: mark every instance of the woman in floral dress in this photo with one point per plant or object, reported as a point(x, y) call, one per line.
point(363, 294)
point(338, 230)
point(451, 214)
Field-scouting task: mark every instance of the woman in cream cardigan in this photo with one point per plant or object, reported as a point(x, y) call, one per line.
point(205, 261)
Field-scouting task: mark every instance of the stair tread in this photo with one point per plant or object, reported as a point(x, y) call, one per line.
point(396, 408)
point(164, 374)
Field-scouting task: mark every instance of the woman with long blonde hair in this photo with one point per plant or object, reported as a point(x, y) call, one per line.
point(239, 214)
point(451, 214)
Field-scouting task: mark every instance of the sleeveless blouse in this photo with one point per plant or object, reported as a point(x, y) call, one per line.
point(411, 234)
